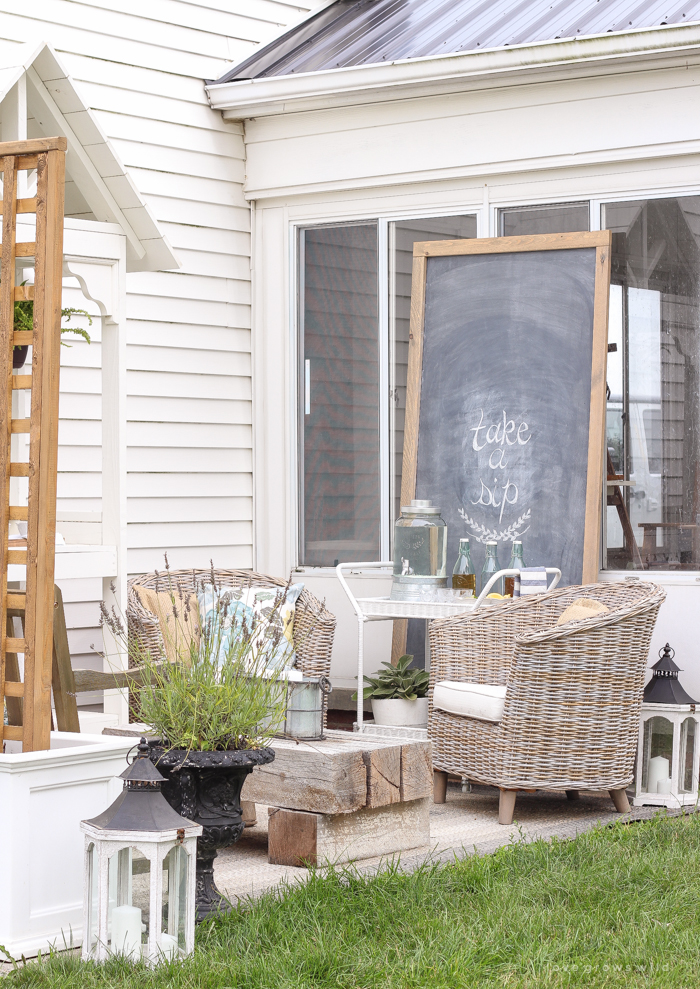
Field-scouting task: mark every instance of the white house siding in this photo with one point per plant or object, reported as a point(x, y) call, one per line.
point(140, 67)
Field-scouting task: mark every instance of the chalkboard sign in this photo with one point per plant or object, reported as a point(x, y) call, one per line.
point(505, 416)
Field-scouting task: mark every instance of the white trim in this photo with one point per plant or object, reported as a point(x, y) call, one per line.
point(90, 158)
point(456, 72)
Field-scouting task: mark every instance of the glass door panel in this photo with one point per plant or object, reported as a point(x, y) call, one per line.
point(339, 391)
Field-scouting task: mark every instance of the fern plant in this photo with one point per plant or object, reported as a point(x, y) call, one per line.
point(397, 682)
point(24, 319)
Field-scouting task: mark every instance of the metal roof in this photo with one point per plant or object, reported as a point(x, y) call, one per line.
point(361, 32)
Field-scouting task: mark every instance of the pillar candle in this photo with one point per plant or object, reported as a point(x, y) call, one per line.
point(664, 785)
point(126, 931)
point(659, 769)
point(168, 945)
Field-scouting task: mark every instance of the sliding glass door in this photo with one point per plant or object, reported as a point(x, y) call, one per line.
point(339, 391)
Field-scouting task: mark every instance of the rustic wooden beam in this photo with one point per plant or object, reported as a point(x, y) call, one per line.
point(301, 838)
point(33, 147)
point(61, 671)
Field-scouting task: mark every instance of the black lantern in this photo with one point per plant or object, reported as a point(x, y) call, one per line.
point(664, 686)
point(667, 756)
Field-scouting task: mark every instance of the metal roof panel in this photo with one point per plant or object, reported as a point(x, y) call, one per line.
point(363, 32)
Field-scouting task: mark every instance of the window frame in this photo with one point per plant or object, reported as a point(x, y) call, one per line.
point(487, 224)
point(296, 350)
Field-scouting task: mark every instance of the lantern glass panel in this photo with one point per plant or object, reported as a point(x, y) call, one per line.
point(129, 902)
point(304, 710)
point(687, 755)
point(92, 905)
point(658, 745)
point(174, 920)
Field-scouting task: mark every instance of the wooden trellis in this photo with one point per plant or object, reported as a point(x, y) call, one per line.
point(36, 604)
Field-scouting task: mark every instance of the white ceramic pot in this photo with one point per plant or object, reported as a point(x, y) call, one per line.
point(401, 713)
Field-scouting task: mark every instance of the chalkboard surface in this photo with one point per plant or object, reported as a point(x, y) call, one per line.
point(507, 391)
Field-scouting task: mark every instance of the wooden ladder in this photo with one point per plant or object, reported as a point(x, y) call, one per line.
point(37, 551)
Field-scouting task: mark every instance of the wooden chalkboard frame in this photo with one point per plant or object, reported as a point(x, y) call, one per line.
point(600, 240)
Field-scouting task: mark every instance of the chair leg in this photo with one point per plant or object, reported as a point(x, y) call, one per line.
point(572, 794)
point(506, 806)
point(619, 798)
point(439, 787)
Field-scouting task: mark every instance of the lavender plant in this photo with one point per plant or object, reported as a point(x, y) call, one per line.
point(223, 691)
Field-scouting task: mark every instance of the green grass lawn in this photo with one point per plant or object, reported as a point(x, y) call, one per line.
point(618, 906)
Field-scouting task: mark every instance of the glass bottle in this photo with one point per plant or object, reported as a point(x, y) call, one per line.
point(516, 563)
point(491, 566)
point(463, 575)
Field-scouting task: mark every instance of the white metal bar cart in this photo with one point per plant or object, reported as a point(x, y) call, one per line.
point(384, 609)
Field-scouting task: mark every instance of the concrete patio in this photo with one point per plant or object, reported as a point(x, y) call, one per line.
point(467, 824)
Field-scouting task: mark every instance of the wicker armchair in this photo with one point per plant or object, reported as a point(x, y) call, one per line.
point(573, 697)
point(314, 625)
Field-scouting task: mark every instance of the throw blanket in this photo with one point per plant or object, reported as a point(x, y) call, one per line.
point(533, 580)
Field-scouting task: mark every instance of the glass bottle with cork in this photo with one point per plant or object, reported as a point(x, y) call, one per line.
point(516, 563)
point(464, 575)
point(491, 566)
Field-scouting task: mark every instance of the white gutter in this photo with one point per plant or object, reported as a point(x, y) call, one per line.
point(406, 78)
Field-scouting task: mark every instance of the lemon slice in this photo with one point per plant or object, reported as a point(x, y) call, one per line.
point(499, 596)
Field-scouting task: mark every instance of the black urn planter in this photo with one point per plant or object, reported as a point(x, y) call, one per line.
point(206, 788)
point(19, 356)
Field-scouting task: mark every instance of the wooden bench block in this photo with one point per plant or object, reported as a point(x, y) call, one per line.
point(324, 777)
point(341, 774)
point(300, 838)
point(416, 771)
point(383, 775)
point(248, 813)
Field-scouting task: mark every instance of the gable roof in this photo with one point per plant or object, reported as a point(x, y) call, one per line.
point(363, 32)
point(98, 186)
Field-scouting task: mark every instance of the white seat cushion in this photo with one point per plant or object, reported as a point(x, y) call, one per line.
point(472, 700)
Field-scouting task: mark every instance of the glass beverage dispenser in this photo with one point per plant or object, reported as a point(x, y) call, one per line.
point(420, 551)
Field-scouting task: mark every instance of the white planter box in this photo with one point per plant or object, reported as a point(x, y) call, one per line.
point(400, 712)
point(43, 798)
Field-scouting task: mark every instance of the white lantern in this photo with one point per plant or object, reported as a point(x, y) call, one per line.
point(140, 866)
point(668, 753)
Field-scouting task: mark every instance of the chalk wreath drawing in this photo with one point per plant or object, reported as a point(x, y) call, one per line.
point(501, 434)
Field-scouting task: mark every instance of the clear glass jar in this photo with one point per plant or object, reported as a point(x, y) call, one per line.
point(420, 550)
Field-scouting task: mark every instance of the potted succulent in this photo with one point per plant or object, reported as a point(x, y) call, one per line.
point(214, 710)
point(399, 695)
point(24, 320)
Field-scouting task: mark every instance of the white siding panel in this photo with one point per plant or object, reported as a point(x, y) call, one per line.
point(156, 182)
point(235, 557)
point(140, 66)
point(197, 361)
point(193, 485)
point(189, 434)
point(188, 385)
point(174, 460)
point(193, 310)
point(191, 336)
point(179, 410)
point(206, 162)
point(190, 237)
point(198, 214)
point(178, 509)
point(190, 533)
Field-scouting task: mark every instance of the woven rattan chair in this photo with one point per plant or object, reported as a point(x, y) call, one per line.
point(314, 625)
point(573, 697)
